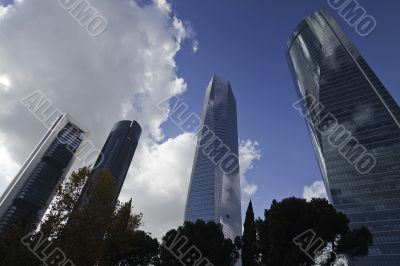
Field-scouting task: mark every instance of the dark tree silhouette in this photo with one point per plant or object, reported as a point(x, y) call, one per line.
point(290, 233)
point(195, 242)
point(102, 233)
point(12, 252)
point(249, 239)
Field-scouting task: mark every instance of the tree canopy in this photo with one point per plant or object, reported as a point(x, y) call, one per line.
point(295, 232)
point(101, 233)
point(198, 242)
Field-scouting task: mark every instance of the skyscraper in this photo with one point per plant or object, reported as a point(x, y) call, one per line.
point(33, 188)
point(214, 191)
point(354, 125)
point(116, 155)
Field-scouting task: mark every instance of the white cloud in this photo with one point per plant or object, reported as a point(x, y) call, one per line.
point(163, 5)
point(96, 80)
point(5, 82)
point(3, 11)
point(8, 167)
point(121, 74)
point(248, 154)
point(161, 174)
point(315, 190)
point(159, 181)
point(195, 46)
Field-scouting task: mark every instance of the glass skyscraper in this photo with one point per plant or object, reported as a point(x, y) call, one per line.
point(214, 191)
point(354, 125)
point(31, 191)
point(116, 156)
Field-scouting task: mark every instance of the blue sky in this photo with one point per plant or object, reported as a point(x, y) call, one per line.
point(245, 42)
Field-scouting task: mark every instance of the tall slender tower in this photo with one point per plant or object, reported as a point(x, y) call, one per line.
point(354, 125)
point(116, 156)
point(32, 190)
point(214, 191)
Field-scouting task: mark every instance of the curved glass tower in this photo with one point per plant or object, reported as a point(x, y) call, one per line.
point(214, 191)
point(354, 125)
point(116, 156)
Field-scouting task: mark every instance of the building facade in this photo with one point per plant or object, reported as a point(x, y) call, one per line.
point(354, 124)
point(31, 191)
point(116, 156)
point(214, 190)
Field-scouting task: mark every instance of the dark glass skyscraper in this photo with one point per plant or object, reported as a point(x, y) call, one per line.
point(214, 191)
point(354, 125)
point(116, 155)
point(32, 190)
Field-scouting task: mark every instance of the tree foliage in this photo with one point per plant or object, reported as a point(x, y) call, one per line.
point(101, 233)
point(12, 252)
point(249, 239)
point(125, 243)
point(208, 238)
point(280, 234)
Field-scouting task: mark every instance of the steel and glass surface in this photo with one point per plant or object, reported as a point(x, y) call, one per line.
point(214, 194)
point(116, 156)
point(328, 68)
point(31, 191)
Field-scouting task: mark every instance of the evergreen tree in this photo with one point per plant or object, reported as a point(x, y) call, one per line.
point(249, 239)
point(295, 231)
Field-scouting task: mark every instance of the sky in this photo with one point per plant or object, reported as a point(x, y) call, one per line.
point(153, 50)
point(245, 42)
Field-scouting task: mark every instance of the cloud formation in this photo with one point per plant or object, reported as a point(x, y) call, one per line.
point(315, 190)
point(159, 181)
point(121, 74)
point(248, 154)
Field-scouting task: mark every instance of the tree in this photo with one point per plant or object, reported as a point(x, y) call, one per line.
point(82, 236)
point(195, 242)
point(101, 233)
point(125, 244)
point(12, 252)
point(294, 231)
point(249, 239)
